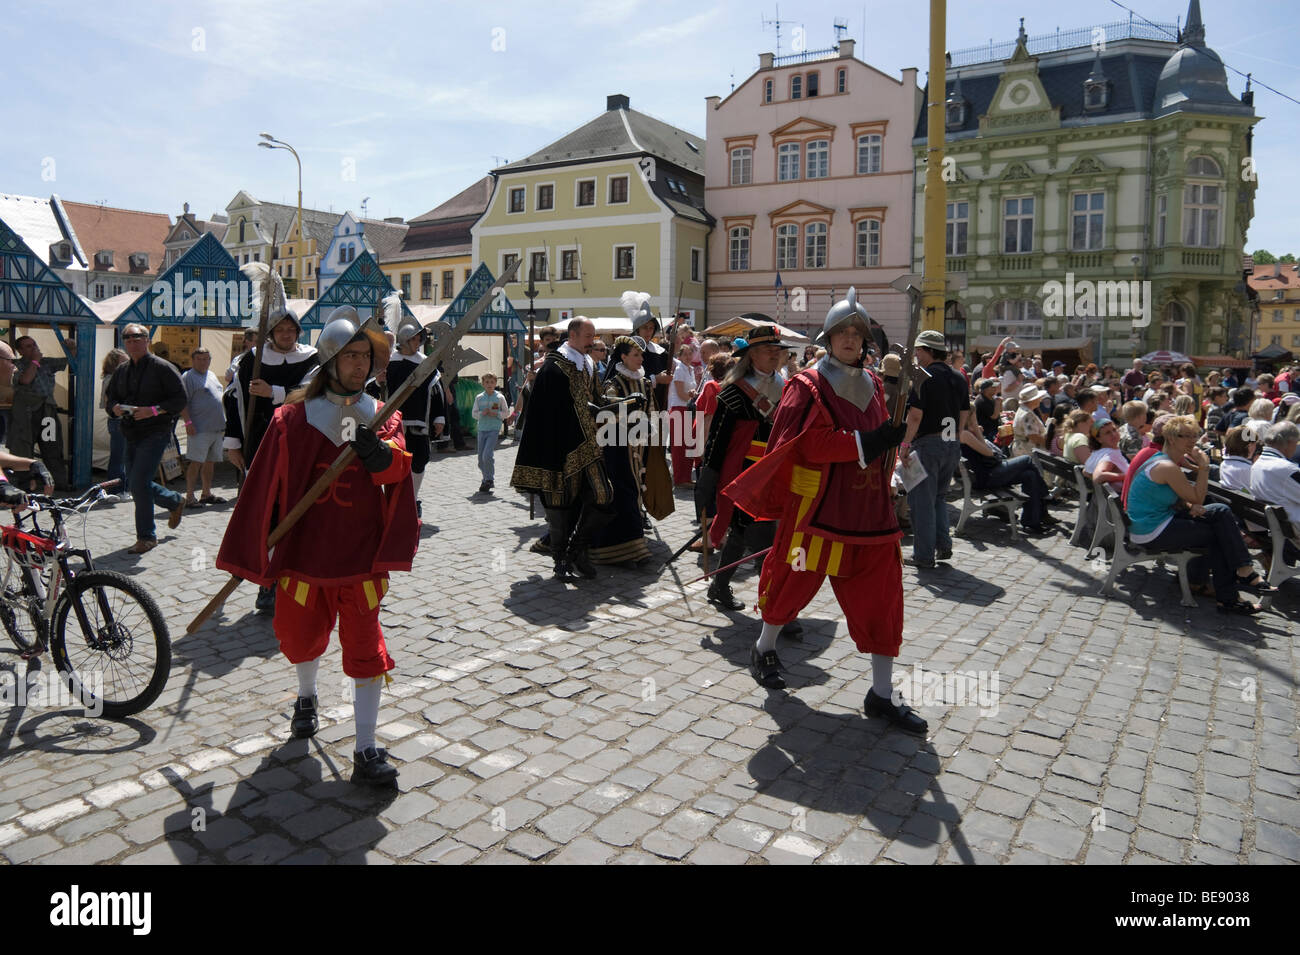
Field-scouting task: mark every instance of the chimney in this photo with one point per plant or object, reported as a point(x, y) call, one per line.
point(617, 101)
point(846, 49)
point(1277, 270)
point(765, 60)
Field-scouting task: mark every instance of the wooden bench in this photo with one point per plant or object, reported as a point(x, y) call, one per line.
point(1262, 521)
point(1126, 553)
point(1059, 467)
point(1003, 499)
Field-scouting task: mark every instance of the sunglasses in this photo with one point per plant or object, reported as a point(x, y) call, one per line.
point(133, 337)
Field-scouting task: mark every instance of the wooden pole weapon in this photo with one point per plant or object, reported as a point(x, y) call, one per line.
point(416, 379)
point(261, 343)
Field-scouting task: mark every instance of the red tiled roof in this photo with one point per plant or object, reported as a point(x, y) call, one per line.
point(123, 231)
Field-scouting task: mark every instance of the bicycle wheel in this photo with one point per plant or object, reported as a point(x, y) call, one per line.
point(20, 614)
point(110, 643)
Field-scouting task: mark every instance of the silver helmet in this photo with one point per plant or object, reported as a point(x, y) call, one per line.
point(343, 327)
point(847, 311)
point(408, 328)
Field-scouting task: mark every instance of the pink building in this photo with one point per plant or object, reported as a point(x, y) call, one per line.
point(808, 171)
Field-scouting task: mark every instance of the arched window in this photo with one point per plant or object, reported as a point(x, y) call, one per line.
point(242, 224)
point(787, 246)
point(868, 243)
point(739, 251)
point(787, 162)
point(767, 91)
point(814, 245)
point(869, 145)
point(742, 165)
point(1203, 166)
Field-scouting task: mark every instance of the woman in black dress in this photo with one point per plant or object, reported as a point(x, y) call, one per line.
point(623, 539)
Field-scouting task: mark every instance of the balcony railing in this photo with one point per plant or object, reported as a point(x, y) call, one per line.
point(955, 264)
point(1201, 259)
point(808, 56)
point(1067, 39)
point(1083, 261)
point(1017, 263)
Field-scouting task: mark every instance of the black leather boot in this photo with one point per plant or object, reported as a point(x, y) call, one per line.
point(304, 723)
point(372, 768)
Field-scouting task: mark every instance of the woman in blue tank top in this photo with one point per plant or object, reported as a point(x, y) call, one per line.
point(1160, 523)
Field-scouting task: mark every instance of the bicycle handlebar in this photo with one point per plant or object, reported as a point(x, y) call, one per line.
point(39, 502)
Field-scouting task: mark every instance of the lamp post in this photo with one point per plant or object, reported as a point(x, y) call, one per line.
point(270, 142)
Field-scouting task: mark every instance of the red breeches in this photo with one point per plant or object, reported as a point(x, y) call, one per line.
point(305, 615)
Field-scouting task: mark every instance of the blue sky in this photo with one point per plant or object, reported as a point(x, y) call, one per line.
point(147, 105)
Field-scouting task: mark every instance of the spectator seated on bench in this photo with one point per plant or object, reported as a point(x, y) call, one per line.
point(1126, 553)
point(1275, 479)
point(1106, 464)
point(1156, 522)
point(1270, 532)
point(1240, 445)
point(989, 470)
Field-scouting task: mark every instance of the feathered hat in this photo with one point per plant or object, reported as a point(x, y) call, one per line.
point(637, 306)
point(268, 287)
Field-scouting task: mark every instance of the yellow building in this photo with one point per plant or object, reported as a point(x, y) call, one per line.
point(434, 260)
point(616, 205)
point(1278, 287)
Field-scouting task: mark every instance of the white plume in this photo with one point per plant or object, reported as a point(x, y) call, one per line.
point(632, 302)
point(266, 284)
point(393, 310)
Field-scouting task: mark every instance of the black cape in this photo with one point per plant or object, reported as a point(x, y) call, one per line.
point(559, 450)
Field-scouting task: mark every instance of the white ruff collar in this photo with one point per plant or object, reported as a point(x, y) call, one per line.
point(627, 372)
point(577, 357)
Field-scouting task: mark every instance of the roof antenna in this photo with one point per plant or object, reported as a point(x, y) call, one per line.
point(777, 22)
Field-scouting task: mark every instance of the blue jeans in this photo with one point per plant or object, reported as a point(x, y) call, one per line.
point(1217, 531)
point(487, 446)
point(927, 502)
point(142, 459)
point(1020, 471)
point(116, 452)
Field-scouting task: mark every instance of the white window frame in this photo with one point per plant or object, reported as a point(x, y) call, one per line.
point(768, 90)
point(609, 189)
point(577, 193)
point(1020, 218)
point(815, 242)
point(746, 165)
point(738, 244)
point(546, 265)
point(787, 245)
point(874, 146)
point(501, 260)
point(1094, 221)
point(1195, 212)
point(577, 263)
point(537, 197)
point(1174, 327)
point(954, 216)
point(624, 278)
point(867, 259)
point(796, 86)
point(510, 200)
point(1020, 318)
point(793, 153)
point(841, 80)
point(821, 150)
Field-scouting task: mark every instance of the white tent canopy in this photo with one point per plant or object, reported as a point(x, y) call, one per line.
point(621, 325)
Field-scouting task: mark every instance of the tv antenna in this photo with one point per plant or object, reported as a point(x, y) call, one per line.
point(364, 202)
point(841, 28)
point(777, 22)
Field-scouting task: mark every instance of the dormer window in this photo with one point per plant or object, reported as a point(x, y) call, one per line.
point(104, 259)
point(1096, 96)
point(954, 107)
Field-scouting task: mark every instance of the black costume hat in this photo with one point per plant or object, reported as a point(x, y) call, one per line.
point(763, 335)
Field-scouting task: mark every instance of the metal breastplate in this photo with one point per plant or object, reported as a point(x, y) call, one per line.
point(850, 383)
point(338, 415)
point(769, 386)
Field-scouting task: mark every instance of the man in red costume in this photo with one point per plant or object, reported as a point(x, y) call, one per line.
point(826, 478)
point(334, 563)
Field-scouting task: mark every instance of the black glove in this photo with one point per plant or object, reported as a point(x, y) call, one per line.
point(375, 455)
point(877, 442)
point(706, 492)
point(11, 496)
point(42, 473)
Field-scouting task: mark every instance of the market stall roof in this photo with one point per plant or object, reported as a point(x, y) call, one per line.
point(1273, 353)
point(203, 288)
point(108, 309)
point(362, 285)
point(742, 324)
point(1219, 361)
point(617, 325)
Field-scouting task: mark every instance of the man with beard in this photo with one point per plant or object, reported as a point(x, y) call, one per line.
point(333, 565)
point(559, 458)
point(826, 476)
point(286, 364)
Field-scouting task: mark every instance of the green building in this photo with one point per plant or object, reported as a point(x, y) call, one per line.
point(1099, 189)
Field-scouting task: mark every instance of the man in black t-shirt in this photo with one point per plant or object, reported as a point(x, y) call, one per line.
point(988, 407)
point(938, 409)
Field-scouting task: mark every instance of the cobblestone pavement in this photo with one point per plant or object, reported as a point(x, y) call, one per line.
point(615, 721)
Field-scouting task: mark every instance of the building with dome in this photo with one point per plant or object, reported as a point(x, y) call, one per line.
point(1099, 189)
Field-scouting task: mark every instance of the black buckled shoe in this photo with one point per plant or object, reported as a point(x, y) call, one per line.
point(371, 767)
point(766, 669)
point(720, 596)
point(304, 723)
point(265, 600)
point(581, 561)
point(902, 715)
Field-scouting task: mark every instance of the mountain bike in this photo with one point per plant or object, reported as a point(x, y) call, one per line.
point(109, 641)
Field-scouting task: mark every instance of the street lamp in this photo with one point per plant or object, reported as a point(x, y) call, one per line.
point(270, 142)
